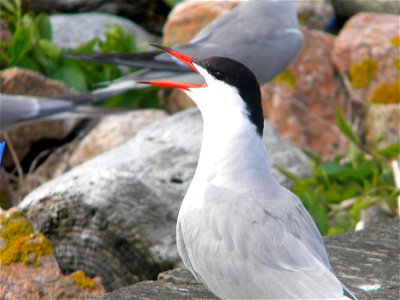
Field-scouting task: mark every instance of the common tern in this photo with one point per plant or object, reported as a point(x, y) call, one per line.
point(16, 110)
point(239, 232)
point(263, 35)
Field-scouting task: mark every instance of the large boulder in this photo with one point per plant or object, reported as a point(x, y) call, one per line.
point(150, 14)
point(110, 132)
point(314, 14)
point(366, 53)
point(189, 17)
point(301, 101)
point(30, 271)
point(354, 258)
point(120, 127)
point(115, 215)
point(85, 26)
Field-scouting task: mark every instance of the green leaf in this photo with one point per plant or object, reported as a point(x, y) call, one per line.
point(172, 3)
point(288, 174)
point(20, 44)
point(116, 40)
point(4, 60)
point(144, 98)
point(312, 155)
point(346, 129)
point(28, 22)
point(344, 220)
point(44, 27)
point(5, 4)
point(49, 49)
point(392, 151)
point(10, 11)
point(29, 63)
point(312, 201)
point(47, 65)
point(70, 73)
point(363, 170)
point(87, 47)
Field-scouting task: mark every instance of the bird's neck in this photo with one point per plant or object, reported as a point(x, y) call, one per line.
point(233, 154)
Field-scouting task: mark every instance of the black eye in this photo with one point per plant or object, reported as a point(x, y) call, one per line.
point(218, 75)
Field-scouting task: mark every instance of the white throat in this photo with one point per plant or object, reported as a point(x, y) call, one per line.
point(233, 154)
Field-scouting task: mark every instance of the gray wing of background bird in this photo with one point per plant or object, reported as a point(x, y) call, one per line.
point(263, 35)
point(15, 108)
point(18, 109)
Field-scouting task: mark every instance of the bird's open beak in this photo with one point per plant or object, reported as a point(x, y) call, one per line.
point(188, 60)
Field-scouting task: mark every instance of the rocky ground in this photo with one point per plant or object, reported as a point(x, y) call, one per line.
point(376, 246)
point(29, 270)
point(19, 281)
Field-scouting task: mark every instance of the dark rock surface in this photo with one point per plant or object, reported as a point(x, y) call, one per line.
point(366, 262)
point(348, 8)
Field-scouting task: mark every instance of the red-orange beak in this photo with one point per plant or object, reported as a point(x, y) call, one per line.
point(188, 60)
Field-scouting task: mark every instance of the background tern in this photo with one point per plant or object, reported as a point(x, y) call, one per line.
point(240, 233)
point(263, 35)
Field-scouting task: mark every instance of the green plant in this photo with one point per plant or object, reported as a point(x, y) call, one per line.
point(172, 3)
point(31, 47)
point(11, 12)
point(340, 189)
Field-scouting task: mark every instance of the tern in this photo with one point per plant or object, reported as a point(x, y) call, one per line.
point(239, 232)
point(16, 110)
point(263, 35)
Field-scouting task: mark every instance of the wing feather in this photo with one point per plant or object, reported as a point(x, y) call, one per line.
point(261, 247)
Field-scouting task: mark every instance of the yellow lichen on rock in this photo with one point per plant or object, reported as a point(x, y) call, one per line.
point(363, 73)
point(397, 63)
point(287, 77)
point(83, 280)
point(21, 243)
point(386, 93)
point(395, 41)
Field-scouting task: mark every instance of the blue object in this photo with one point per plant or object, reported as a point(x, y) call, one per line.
point(2, 147)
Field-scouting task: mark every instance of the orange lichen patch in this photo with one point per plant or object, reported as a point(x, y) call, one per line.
point(303, 17)
point(83, 280)
point(363, 73)
point(386, 93)
point(287, 77)
point(397, 63)
point(395, 41)
point(21, 243)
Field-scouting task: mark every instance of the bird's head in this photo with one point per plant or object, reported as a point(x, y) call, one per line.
point(229, 86)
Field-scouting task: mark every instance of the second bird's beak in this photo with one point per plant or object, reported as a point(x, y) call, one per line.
point(188, 60)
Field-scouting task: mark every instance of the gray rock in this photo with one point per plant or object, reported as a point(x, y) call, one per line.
point(150, 14)
point(115, 215)
point(83, 27)
point(366, 262)
point(314, 14)
point(122, 127)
